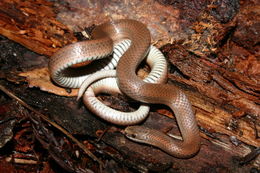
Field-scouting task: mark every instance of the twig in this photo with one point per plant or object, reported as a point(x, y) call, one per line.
point(10, 94)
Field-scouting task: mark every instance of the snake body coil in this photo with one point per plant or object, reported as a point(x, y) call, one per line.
point(105, 82)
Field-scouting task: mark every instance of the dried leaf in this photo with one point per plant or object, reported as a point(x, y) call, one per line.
point(41, 78)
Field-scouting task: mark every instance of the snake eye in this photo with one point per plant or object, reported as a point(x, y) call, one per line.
point(133, 135)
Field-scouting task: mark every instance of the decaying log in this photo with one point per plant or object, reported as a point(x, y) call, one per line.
point(33, 24)
point(213, 54)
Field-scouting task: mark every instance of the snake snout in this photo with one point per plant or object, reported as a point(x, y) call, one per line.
point(136, 133)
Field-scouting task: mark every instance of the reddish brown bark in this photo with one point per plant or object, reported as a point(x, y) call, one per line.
point(213, 52)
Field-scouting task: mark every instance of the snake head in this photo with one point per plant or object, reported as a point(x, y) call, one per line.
point(137, 133)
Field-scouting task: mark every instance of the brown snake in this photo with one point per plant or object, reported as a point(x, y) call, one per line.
point(131, 85)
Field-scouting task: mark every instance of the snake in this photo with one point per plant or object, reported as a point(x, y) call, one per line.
point(104, 37)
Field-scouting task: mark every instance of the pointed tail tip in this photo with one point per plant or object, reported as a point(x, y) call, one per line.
point(78, 97)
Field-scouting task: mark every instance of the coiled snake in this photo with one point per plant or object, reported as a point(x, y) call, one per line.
point(105, 36)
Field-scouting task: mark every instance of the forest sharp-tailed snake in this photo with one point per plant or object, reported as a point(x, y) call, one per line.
point(135, 88)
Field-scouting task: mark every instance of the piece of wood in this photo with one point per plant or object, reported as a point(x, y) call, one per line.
point(33, 24)
point(218, 71)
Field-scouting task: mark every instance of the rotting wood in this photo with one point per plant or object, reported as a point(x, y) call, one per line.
point(219, 110)
point(217, 101)
point(33, 24)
